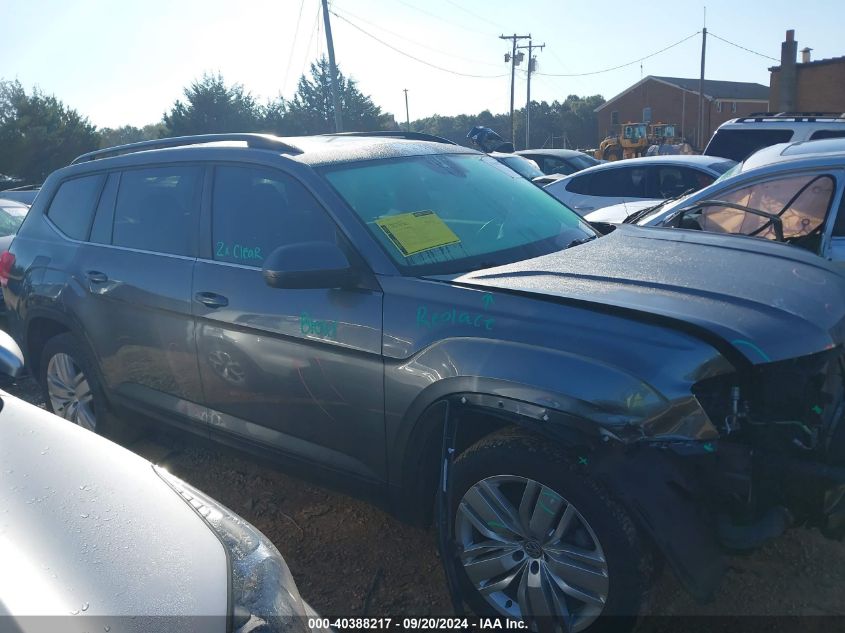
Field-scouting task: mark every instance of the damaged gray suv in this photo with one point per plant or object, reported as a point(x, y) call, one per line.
point(416, 323)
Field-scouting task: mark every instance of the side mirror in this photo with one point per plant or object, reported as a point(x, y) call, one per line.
point(11, 358)
point(309, 265)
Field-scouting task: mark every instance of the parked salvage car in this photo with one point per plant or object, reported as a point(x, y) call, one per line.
point(636, 179)
point(419, 325)
point(97, 534)
point(559, 162)
point(791, 192)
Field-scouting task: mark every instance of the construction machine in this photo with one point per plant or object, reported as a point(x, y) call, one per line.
point(638, 139)
point(630, 141)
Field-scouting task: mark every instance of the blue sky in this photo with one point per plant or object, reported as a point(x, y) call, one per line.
point(126, 62)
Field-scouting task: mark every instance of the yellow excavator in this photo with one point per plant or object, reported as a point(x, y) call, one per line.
point(641, 139)
point(631, 141)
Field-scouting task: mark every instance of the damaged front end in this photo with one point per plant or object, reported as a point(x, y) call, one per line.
point(781, 456)
point(754, 452)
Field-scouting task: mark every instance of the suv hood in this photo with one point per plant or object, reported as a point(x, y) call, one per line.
point(768, 301)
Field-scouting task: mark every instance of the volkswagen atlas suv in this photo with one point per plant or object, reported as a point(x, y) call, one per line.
point(416, 323)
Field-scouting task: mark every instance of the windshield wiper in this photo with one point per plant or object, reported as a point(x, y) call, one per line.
point(637, 215)
point(583, 240)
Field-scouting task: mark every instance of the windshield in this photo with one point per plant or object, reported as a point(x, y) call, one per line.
point(446, 214)
point(11, 219)
point(582, 161)
point(524, 167)
point(732, 171)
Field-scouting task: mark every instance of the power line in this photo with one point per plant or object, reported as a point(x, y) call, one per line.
point(416, 59)
point(293, 46)
point(636, 61)
point(437, 17)
point(314, 28)
point(742, 47)
point(475, 15)
point(407, 39)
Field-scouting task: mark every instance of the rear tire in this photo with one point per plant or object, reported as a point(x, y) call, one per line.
point(72, 389)
point(536, 535)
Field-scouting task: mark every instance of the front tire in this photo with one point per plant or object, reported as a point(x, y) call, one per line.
point(72, 389)
point(542, 542)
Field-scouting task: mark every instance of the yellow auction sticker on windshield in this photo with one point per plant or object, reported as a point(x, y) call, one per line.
point(417, 231)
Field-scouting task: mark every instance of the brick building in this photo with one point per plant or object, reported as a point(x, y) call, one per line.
point(809, 86)
point(675, 100)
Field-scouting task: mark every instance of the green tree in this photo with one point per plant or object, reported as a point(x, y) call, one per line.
point(311, 110)
point(570, 124)
point(109, 137)
point(211, 106)
point(38, 133)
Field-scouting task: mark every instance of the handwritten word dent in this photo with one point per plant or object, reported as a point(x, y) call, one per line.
point(324, 329)
point(455, 317)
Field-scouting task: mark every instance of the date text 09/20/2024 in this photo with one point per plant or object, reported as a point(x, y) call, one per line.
point(416, 624)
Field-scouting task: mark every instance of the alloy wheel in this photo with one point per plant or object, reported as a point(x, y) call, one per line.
point(530, 553)
point(70, 392)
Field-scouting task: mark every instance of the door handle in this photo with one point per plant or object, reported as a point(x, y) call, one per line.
point(95, 276)
point(211, 299)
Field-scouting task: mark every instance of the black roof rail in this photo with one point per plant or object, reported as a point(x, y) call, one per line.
point(257, 141)
point(810, 117)
point(796, 113)
point(411, 136)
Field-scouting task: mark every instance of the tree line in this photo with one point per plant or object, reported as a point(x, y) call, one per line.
point(39, 133)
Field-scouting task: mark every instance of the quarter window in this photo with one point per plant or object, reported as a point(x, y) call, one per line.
point(73, 205)
point(256, 210)
point(156, 209)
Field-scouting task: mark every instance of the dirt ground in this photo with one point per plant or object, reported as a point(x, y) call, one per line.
point(351, 559)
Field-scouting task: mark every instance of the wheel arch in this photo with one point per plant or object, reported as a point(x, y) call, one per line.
point(43, 325)
point(479, 408)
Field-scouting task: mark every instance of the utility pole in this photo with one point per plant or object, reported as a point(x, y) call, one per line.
point(407, 116)
point(531, 63)
point(338, 118)
point(513, 60)
point(700, 135)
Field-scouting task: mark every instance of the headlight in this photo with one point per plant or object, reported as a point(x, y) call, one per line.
point(264, 596)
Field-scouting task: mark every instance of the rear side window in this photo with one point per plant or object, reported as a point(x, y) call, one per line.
point(625, 182)
point(72, 207)
point(739, 144)
point(827, 134)
point(156, 210)
point(581, 184)
point(256, 210)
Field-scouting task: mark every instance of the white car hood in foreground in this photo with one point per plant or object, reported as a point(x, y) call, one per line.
point(88, 528)
point(616, 213)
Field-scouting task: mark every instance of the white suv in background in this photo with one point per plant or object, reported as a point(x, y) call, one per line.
point(737, 139)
